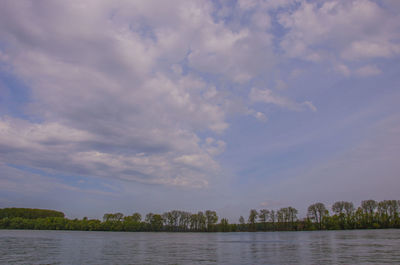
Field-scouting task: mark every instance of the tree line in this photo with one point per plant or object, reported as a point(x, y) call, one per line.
point(28, 213)
point(369, 215)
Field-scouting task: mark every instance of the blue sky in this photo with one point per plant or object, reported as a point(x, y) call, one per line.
point(150, 106)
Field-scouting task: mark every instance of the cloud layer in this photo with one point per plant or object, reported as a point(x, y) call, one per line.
point(105, 94)
point(145, 90)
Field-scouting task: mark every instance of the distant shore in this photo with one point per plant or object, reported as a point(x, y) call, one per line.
point(370, 215)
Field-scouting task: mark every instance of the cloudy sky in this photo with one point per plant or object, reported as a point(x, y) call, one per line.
point(150, 106)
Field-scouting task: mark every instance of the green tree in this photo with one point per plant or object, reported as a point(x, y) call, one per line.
point(252, 219)
point(272, 217)
point(263, 217)
point(349, 213)
point(201, 219)
point(212, 219)
point(113, 217)
point(27, 213)
point(339, 210)
point(292, 216)
point(317, 212)
point(194, 223)
point(156, 222)
point(242, 223)
point(368, 207)
point(224, 225)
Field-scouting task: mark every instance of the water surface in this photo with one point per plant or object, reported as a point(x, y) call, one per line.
point(318, 247)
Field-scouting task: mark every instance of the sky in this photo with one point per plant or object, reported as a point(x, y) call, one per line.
point(151, 106)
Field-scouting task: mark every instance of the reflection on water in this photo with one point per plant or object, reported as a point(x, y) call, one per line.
point(319, 247)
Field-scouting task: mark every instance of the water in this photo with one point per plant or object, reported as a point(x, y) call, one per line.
point(319, 247)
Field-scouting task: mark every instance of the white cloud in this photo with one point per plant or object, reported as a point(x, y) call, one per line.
point(356, 29)
point(370, 49)
point(213, 146)
point(103, 89)
point(343, 69)
point(309, 105)
point(61, 149)
point(364, 71)
point(260, 116)
point(368, 70)
point(122, 86)
point(267, 96)
point(265, 4)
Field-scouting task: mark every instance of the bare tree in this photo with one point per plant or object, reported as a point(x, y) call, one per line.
point(338, 207)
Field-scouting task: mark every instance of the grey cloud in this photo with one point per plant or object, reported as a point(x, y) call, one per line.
point(28, 145)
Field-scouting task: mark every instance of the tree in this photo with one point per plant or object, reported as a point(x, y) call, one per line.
point(348, 209)
point(387, 212)
point(184, 219)
point(383, 213)
point(136, 217)
point(242, 223)
point(317, 212)
point(156, 222)
point(368, 207)
point(113, 217)
point(393, 206)
point(241, 220)
point(212, 219)
point(292, 212)
point(132, 223)
point(194, 223)
point(340, 208)
point(224, 225)
point(175, 217)
point(148, 218)
point(168, 220)
point(349, 212)
point(286, 217)
point(280, 216)
point(272, 217)
point(27, 213)
point(263, 216)
point(252, 218)
point(201, 219)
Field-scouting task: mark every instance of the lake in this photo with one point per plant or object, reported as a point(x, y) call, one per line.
point(317, 247)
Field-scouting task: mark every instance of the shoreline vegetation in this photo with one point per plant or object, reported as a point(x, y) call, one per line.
point(344, 216)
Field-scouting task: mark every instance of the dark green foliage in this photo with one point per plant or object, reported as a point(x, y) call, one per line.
point(27, 213)
point(370, 215)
